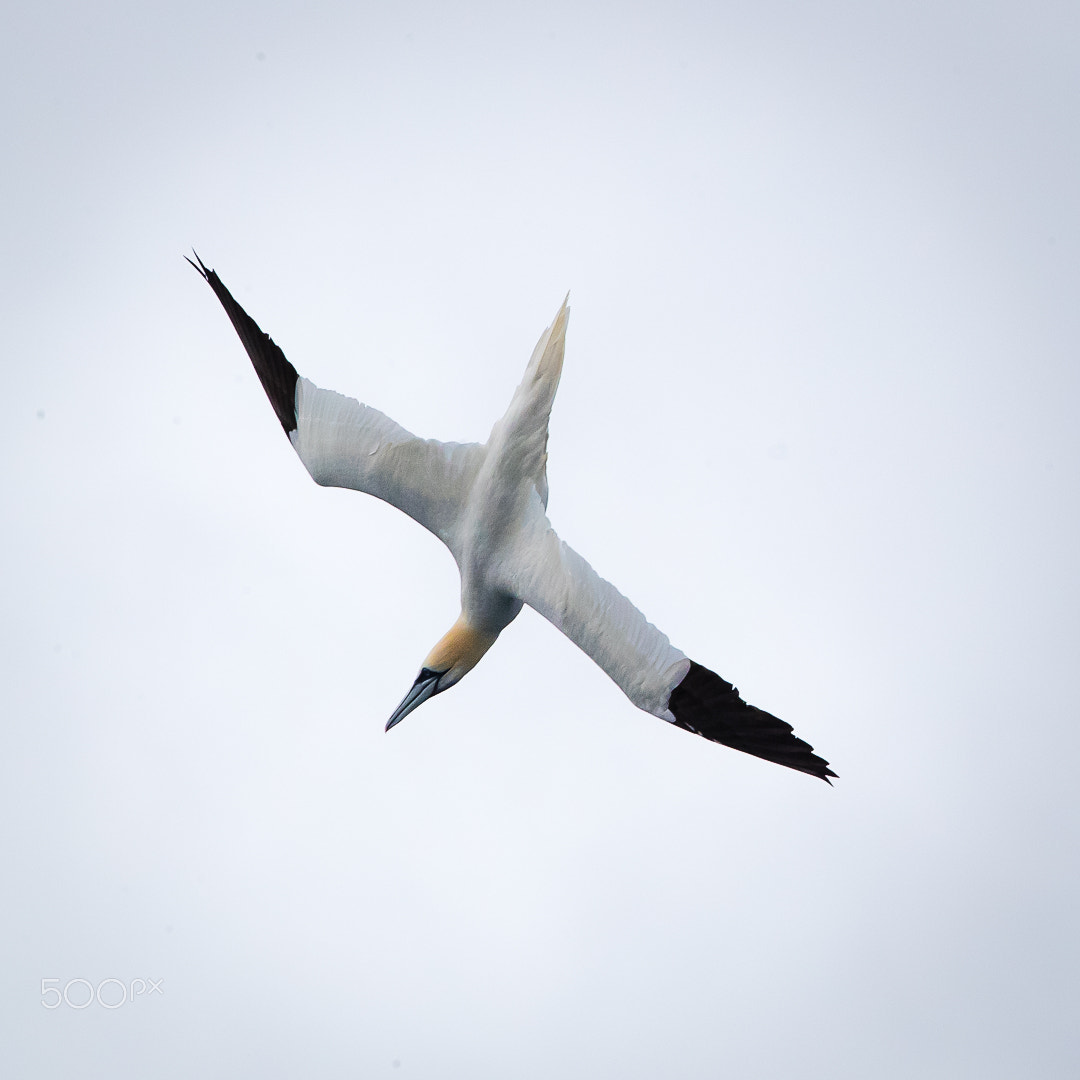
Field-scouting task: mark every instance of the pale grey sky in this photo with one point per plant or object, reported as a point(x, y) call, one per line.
point(817, 419)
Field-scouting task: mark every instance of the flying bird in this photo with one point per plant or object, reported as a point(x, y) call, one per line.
point(488, 504)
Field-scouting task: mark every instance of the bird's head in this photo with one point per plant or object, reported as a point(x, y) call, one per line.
point(456, 654)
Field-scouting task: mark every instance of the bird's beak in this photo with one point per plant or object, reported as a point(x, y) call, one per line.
point(427, 683)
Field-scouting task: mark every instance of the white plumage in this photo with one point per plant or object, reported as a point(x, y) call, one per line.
point(487, 502)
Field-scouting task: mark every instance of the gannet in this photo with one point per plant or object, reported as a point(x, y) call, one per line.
point(488, 504)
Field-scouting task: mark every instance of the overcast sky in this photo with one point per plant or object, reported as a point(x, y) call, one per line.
point(818, 419)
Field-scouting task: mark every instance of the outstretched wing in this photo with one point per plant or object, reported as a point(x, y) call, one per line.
point(552, 578)
point(556, 581)
point(344, 443)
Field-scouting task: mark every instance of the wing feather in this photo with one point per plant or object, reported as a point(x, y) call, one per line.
point(707, 705)
point(553, 579)
point(556, 581)
point(343, 443)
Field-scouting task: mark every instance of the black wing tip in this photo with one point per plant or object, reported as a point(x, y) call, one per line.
point(277, 375)
point(198, 264)
point(707, 705)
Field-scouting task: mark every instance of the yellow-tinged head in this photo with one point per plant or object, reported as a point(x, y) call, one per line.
point(456, 654)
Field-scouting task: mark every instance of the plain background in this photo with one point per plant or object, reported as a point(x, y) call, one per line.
point(818, 420)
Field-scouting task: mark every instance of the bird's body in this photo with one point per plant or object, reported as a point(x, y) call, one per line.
point(488, 504)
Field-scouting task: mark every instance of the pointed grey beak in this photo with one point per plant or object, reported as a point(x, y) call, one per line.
point(427, 684)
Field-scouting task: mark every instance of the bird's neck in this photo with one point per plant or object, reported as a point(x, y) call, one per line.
point(459, 651)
